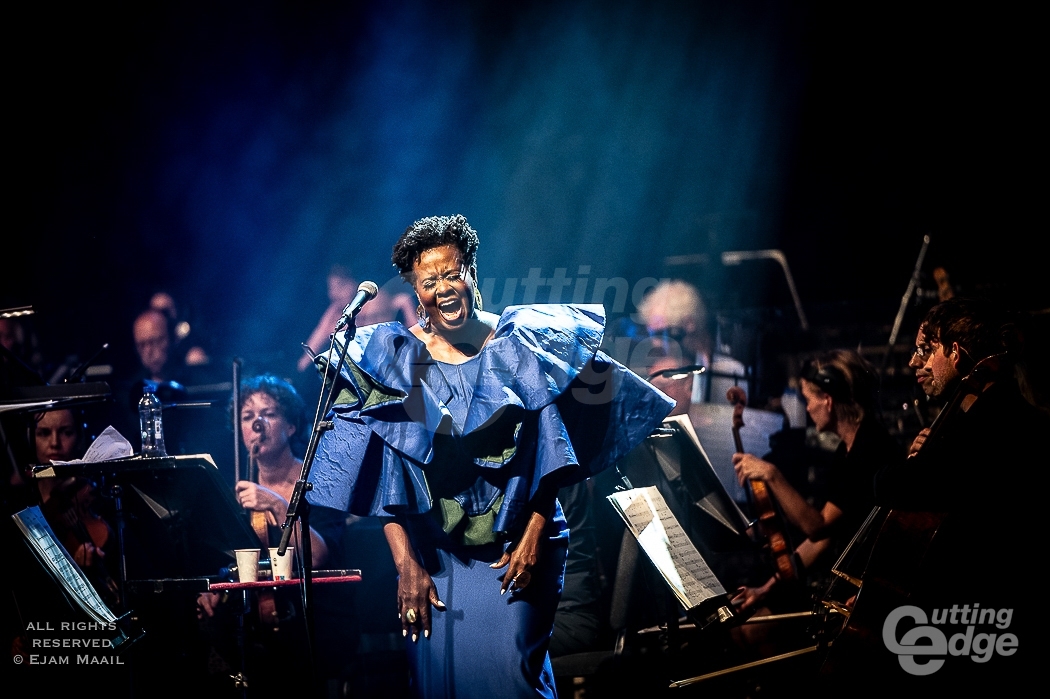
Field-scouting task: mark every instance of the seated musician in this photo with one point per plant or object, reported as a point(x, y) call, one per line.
point(977, 467)
point(839, 389)
point(272, 422)
point(274, 432)
point(69, 504)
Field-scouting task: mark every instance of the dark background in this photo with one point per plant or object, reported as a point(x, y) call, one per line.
point(230, 152)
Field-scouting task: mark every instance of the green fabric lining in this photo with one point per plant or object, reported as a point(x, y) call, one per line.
point(374, 393)
point(477, 529)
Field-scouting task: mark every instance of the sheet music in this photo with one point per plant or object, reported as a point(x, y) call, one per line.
point(61, 565)
point(667, 545)
point(712, 424)
point(107, 446)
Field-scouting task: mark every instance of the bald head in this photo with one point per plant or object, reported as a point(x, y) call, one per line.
point(152, 341)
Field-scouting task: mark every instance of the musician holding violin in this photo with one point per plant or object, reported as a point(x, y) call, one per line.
point(839, 388)
point(69, 504)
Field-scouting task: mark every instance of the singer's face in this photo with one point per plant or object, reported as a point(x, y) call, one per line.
point(445, 288)
point(263, 426)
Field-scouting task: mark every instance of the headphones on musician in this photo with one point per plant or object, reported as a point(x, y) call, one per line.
point(830, 379)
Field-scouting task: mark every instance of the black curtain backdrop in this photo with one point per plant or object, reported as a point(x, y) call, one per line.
point(229, 153)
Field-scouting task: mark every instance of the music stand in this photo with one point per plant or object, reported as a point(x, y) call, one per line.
point(178, 524)
point(673, 460)
point(711, 423)
point(187, 522)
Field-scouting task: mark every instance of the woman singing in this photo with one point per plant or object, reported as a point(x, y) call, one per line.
point(459, 432)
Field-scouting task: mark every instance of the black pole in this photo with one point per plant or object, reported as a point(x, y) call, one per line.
point(298, 508)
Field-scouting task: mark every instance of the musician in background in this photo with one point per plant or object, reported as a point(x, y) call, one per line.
point(275, 433)
point(72, 505)
point(181, 338)
point(59, 436)
point(959, 468)
point(153, 345)
point(677, 387)
point(273, 421)
point(839, 389)
point(674, 313)
point(273, 427)
point(971, 485)
point(342, 287)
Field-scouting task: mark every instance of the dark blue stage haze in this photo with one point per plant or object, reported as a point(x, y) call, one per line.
point(231, 152)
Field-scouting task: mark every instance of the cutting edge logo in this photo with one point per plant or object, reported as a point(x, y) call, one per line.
point(978, 647)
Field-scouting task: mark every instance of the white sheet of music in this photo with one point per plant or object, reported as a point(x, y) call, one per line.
point(60, 564)
point(667, 545)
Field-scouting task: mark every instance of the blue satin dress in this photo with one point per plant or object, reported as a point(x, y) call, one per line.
point(456, 452)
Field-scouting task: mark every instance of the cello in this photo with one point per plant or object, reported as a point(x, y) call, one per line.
point(885, 558)
point(770, 526)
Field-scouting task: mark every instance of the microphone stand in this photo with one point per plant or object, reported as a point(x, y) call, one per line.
point(912, 283)
point(298, 508)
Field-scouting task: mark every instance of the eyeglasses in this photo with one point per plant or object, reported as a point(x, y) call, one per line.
point(923, 351)
point(678, 372)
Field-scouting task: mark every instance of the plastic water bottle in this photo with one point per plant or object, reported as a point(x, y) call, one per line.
point(151, 424)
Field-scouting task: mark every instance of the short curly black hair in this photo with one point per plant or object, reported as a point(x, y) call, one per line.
point(432, 232)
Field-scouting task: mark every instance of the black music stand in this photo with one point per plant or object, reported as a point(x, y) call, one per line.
point(673, 460)
point(186, 521)
point(178, 524)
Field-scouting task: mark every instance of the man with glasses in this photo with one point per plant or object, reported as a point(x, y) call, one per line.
point(676, 321)
point(975, 469)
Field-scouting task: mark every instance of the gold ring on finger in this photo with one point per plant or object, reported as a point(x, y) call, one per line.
point(410, 616)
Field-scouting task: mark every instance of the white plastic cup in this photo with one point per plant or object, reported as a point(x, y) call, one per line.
point(281, 566)
point(248, 564)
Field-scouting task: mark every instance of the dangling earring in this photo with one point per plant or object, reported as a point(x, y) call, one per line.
point(477, 299)
point(424, 319)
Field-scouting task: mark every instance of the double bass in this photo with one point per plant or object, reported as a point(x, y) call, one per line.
point(767, 518)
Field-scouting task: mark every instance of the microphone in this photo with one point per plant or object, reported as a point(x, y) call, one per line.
point(258, 425)
point(365, 293)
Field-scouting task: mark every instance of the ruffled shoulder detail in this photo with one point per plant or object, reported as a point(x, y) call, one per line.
point(572, 410)
point(535, 353)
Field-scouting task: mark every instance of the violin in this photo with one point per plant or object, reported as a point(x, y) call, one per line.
point(763, 503)
point(69, 509)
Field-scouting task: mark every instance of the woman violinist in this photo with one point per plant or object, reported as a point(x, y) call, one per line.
point(839, 388)
point(68, 504)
